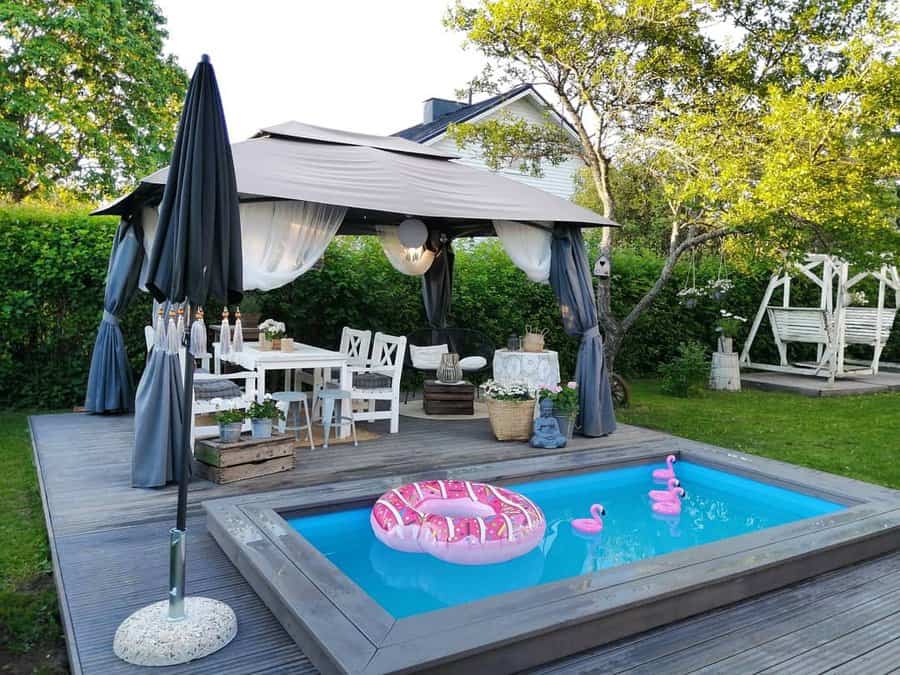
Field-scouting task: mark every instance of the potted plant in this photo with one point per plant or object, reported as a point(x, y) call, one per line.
point(270, 334)
point(261, 416)
point(727, 326)
point(565, 405)
point(510, 409)
point(690, 295)
point(230, 424)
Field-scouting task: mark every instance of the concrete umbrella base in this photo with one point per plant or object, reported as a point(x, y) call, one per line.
point(149, 638)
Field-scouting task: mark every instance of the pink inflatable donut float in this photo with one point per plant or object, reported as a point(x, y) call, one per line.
point(458, 521)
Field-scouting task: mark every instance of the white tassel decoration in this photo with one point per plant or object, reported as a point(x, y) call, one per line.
point(179, 327)
point(159, 332)
point(225, 335)
point(172, 334)
point(198, 335)
point(238, 342)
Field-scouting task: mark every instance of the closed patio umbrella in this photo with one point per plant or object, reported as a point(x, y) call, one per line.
point(196, 255)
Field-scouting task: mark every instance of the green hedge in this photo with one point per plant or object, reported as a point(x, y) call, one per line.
point(53, 267)
point(52, 272)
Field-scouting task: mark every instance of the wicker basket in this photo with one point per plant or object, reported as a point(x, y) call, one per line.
point(511, 420)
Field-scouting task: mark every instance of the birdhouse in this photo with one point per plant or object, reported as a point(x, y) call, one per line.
point(601, 267)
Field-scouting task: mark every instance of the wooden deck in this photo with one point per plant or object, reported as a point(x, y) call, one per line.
point(110, 558)
point(810, 385)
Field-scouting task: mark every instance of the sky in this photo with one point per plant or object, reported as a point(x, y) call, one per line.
point(358, 65)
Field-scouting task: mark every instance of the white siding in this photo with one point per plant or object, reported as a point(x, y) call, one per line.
point(558, 180)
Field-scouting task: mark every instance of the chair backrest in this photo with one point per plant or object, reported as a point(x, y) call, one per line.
point(355, 343)
point(861, 325)
point(388, 352)
point(799, 324)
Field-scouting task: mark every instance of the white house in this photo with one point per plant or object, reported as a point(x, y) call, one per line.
point(523, 102)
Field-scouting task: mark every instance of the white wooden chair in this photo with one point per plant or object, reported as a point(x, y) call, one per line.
point(355, 343)
point(379, 380)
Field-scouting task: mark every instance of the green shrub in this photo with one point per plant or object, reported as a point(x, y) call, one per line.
point(52, 274)
point(687, 373)
point(53, 268)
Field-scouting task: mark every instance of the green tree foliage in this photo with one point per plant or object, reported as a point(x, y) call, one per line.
point(783, 131)
point(89, 101)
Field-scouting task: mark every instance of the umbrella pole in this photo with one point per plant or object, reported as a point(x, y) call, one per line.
point(178, 534)
point(179, 629)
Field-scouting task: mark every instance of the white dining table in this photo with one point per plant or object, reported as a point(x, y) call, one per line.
point(303, 357)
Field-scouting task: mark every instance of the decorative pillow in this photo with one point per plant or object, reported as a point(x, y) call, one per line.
point(207, 389)
point(426, 358)
point(472, 363)
point(371, 381)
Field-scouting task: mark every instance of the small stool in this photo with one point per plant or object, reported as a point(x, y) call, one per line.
point(327, 397)
point(298, 397)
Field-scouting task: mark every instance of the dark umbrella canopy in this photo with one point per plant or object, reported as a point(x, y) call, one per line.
point(197, 248)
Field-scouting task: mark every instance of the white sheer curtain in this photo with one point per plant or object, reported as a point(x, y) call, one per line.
point(282, 240)
point(527, 246)
point(412, 261)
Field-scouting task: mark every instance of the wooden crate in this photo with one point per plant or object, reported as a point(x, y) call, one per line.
point(248, 458)
point(449, 399)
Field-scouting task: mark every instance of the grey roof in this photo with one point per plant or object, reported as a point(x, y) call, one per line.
point(380, 179)
point(421, 133)
point(309, 132)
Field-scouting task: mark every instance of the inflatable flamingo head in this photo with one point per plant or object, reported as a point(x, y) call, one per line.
point(671, 459)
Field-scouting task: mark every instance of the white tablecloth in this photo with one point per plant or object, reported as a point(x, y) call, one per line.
point(536, 369)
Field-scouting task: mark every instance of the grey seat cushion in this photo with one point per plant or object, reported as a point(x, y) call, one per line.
point(371, 381)
point(207, 389)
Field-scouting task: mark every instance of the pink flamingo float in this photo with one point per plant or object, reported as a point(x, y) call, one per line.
point(668, 472)
point(667, 494)
point(592, 525)
point(670, 507)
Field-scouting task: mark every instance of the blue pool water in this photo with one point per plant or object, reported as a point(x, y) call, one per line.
point(719, 505)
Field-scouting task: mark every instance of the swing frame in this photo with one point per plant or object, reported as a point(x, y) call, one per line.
point(831, 326)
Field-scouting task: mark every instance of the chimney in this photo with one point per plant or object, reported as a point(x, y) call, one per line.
point(438, 107)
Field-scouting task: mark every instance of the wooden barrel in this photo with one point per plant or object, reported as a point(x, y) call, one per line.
point(726, 372)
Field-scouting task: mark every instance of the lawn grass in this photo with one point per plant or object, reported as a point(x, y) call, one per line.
point(30, 635)
point(855, 436)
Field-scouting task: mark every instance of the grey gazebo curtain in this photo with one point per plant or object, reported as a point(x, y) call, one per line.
point(158, 428)
point(570, 277)
point(437, 286)
point(110, 386)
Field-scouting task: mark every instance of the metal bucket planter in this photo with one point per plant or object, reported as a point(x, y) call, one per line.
point(261, 427)
point(566, 423)
point(230, 433)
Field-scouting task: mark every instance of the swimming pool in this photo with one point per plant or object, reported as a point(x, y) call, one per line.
point(749, 525)
point(719, 505)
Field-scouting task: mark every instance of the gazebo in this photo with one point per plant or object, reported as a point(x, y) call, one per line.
point(301, 185)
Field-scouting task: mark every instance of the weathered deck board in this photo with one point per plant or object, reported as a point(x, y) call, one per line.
point(109, 547)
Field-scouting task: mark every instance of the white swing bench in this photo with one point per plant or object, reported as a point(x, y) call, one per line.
point(810, 325)
point(833, 326)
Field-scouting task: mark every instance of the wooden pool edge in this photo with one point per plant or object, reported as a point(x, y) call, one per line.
point(342, 630)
